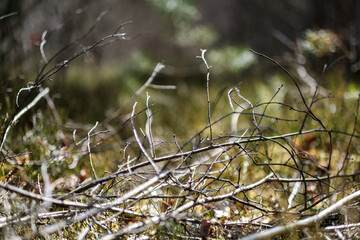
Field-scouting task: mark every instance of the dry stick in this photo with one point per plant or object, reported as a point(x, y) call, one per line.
point(83, 233)
point(5, 221)
point(195, 151)
point(22, 112)
point(142, 226)
point(345, 226)
point(177, 143)
point(235, 117)
point(66, 203)
point(220, 197)
point(340, 235)
point(139, 142)
point(42, 44)
point(89, 149)
point(94, 208)
point(207, 90)
point(293, 193)
point(268, 234)
point(104, 206)
point(148, 130)
point(28, 88)
point(47, 183)
point(8, 15)
point(230, 98)
point(316, 179)
point(252, 109)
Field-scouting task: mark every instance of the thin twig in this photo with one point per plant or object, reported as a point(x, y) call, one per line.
point(273, 232)
point(42, 44)
point(139, 142)
point(8, 15)
point(148, 127)
point(89, 149)
point(203, 51)
point(22, 112)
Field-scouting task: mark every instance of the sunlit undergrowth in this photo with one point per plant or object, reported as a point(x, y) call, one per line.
point(109, 151)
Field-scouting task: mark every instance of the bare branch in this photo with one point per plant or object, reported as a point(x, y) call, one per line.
point(270, 233)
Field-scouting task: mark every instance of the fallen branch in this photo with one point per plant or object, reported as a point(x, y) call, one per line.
point(268, 234)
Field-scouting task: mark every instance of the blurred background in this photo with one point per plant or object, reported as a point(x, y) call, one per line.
point(303, 35)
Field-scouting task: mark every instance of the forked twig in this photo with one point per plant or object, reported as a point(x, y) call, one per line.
point(203, 51)
point(139, 142)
